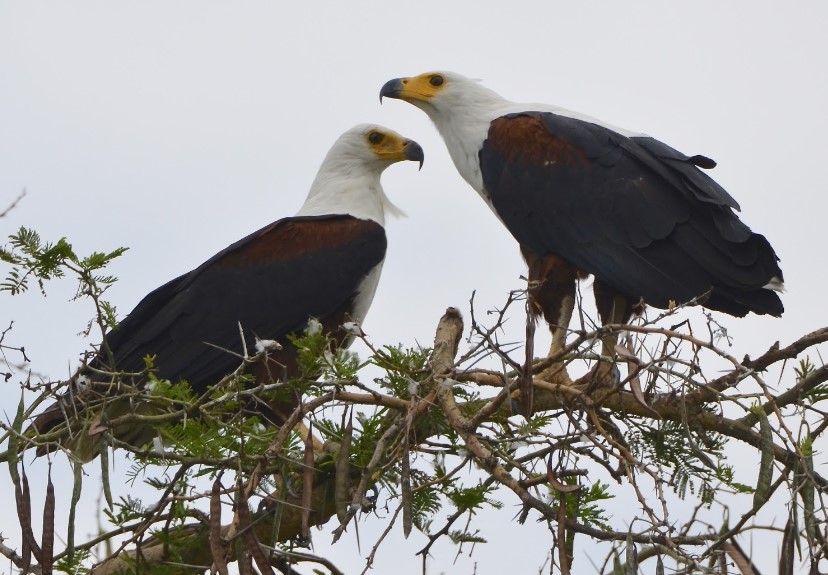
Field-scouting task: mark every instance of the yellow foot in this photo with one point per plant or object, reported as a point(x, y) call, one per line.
point(604, 376)
point(556, 375)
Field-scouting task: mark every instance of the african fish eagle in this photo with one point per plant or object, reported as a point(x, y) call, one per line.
point(324, 263)
point(583, 197)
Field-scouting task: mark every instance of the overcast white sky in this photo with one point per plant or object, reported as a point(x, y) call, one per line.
point(175, 128)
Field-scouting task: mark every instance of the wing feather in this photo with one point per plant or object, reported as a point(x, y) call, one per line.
point(634, 212)
point(270, 282)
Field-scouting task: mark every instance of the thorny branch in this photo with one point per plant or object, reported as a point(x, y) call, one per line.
point(652, 441)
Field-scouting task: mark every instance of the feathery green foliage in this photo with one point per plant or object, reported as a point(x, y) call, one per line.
point(690, 467)
point(458, 463)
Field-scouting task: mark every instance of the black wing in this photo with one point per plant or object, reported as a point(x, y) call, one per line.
point(270, 282)
point(634, 212)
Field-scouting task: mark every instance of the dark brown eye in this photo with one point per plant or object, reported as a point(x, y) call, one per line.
point(375, 137)
point(436, 81)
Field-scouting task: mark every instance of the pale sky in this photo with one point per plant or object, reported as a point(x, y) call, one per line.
point(176, 128)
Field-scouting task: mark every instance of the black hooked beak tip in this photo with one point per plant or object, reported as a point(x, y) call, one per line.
point(391, 89)
point(414, 152)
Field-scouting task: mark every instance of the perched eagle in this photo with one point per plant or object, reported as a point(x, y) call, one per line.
point(323, 263)
point(583, 197)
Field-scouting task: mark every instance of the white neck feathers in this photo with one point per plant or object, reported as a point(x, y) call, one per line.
point(348, 190)
point(348, 183)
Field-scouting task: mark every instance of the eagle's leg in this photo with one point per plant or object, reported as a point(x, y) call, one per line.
point(551, 293)
point(613, 308)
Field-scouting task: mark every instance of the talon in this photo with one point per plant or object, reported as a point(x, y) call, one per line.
point(615, 373)
point(603, 376)
point(556, 374)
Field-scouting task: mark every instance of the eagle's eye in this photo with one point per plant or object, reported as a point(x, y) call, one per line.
point(436, 80)
point(375, 137)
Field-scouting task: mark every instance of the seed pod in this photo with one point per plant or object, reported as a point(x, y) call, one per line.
point(216, 544)
point(342, 484)
point(48, 538)
point(763, 482)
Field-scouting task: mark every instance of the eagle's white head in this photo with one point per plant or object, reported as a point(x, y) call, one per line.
point(348, 181)
point(461, 109)
point(443, 93)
